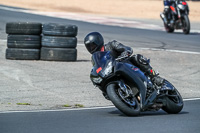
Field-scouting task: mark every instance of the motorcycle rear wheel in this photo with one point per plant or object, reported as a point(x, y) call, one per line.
point(174, 101)
point(186, 24)
point(120, 103)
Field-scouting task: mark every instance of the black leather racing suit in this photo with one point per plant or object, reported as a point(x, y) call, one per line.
point(167, 4)
point(138, 60)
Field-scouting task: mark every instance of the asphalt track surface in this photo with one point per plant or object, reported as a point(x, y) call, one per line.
point(106, 120)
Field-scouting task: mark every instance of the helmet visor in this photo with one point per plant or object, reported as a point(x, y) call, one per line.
point(91, 47)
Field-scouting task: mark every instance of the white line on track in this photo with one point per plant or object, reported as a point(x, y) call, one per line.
point(75, 109)
point(191, 99)
point(3, 40)
point(59, 110)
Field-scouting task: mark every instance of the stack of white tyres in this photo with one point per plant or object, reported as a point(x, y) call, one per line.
point(23, 41)
point(59, 42)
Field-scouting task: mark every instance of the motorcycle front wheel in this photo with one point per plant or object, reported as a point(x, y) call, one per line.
point(174, 101)
point(129, 105)
point(168, 28)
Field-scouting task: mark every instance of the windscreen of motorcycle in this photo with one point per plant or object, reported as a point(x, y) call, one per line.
point(102, 66)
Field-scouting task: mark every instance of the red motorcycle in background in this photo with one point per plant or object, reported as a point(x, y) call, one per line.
point(177, 18)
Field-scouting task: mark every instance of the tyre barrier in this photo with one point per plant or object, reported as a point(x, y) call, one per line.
point(23, 40)
point(48, 42)
point(59, 42)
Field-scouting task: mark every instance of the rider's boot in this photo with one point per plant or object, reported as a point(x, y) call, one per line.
point(155, 78)
point(158, 80)
point(144, 65)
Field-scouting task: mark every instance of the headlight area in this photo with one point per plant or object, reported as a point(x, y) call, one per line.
point(96, 80)
point(108, 69)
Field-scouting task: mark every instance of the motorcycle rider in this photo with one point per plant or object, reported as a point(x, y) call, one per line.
point(166, 13)
point(95, 42)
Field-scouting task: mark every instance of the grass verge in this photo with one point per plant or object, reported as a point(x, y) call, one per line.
point(23, 103)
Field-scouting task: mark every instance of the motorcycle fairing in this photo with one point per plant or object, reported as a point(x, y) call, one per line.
point(101, 61)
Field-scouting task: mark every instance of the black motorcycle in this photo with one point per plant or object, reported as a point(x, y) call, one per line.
point(177, 17)
point(129, 89)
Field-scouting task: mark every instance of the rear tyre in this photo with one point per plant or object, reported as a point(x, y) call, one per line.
point(174, 101)
point(113, 94)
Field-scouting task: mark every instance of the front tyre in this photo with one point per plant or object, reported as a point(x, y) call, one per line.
point(168, 28)
point(186, 24)
point(129, 106)
point(174, 101)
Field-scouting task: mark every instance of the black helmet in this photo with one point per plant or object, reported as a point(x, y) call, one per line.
point(93, 42)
